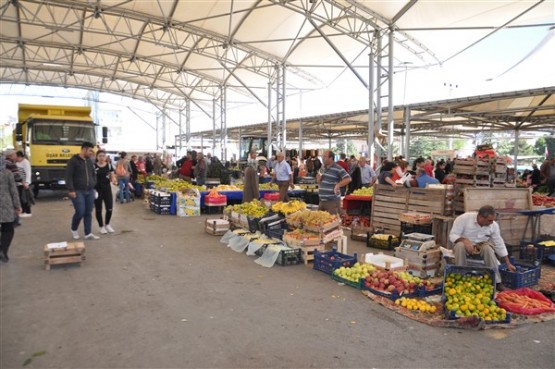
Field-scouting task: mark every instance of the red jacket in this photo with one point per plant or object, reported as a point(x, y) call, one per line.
point(187, 168)
point(343, 165)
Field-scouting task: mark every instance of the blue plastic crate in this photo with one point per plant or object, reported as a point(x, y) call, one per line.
point(525, 275)
point(390, 295)
point(327, 262)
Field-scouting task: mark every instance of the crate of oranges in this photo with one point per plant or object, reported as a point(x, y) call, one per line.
point(469, 291)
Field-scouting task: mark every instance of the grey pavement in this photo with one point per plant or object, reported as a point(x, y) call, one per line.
point(161, 293)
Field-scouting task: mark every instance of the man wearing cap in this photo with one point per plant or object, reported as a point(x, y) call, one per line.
point(331, 180)
point(284, 176)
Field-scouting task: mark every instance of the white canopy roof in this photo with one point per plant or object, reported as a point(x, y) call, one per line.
point(168, 52)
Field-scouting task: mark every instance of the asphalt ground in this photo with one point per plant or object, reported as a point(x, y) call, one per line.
point(161, 293)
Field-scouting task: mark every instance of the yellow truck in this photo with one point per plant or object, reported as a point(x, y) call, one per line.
point(50, 135)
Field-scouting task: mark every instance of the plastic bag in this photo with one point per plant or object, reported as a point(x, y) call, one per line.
point(253, 247)
point(227, 236)
point(524, 301)
point(270, 255)
point(238, 244)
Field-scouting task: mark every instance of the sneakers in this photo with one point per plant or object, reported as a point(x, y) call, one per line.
point(25, 215)
point(109, 228)
point(91, 236)
point(75, 234)
point(103, 230)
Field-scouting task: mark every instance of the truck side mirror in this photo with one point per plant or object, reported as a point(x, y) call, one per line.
point(18, 132)
point(104, 135)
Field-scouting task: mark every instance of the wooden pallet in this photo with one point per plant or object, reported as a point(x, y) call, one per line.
point(73, 253)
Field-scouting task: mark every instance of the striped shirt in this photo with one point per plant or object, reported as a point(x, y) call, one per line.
point(332, 176)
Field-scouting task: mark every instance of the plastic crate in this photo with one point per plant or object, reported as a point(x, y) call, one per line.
point(327, 262)
point(357, 285)
point(253, 224)
point(389, 244)
point(416, 228)
point(467, 270)
point(525, 275)
point(542, 252)
point(289, 257)
point(450, 315)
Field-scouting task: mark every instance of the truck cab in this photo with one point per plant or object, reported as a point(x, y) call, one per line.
point(49, 136)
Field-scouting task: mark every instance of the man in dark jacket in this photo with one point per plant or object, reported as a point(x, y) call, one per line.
point(80, 182)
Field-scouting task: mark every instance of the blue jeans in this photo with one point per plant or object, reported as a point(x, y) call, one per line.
point(83, 204)
point(123, 184)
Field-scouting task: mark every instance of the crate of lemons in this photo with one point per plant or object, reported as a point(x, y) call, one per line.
point(416, 305)
point(471, 295)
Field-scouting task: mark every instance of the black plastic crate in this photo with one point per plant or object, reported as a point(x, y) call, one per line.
point(416, 228)
point(253, 224)
point(389, 244)
point(289, 257)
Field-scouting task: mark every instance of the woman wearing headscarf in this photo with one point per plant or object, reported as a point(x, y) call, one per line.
point(10, 207)
point(250, 188)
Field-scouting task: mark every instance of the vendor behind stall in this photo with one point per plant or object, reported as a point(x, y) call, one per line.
point(477, 234)
point(284, 176)
point(332, 178)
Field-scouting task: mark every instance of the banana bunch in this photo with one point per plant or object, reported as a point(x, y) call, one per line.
point(172, 185)
point(288, 207)
point(383, 237)
point(253, 209)
point(220, 188)
point(268, 186)
point(364, 191)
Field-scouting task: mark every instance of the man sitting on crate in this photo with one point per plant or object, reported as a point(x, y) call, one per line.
point(477, 234)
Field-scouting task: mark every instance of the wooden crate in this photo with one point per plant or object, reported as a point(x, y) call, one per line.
point(216, 227)
point(387, 204)
point(73, 253)
point(307, 252)
point(427, 200)
point(418, 259)
point(499, 198)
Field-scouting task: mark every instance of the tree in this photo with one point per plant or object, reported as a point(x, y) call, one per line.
point(423, 146)
point(540, 146)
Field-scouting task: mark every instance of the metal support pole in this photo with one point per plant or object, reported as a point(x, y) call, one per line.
point(379, 91)
point(188, 124)
point(213, 126)
point(407, 133)
point(278, 108)
point(180, 132)
point(371, 120)
point(283, 104)
point(329, 140)
point(223, 126)
point(269, 143)
point(157, 134)
point(517, 139)
point(201, 143)
point(390, 97)
point(301, 126)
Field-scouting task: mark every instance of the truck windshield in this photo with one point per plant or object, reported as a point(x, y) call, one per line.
point(63, 133)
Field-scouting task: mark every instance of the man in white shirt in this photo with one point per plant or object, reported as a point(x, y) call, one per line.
point(367, 174)
point(477, 233)
point(284, 176)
